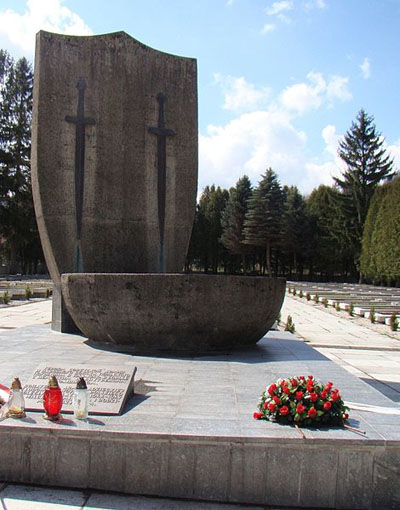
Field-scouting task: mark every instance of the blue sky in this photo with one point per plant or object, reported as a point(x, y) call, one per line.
point(279, 81)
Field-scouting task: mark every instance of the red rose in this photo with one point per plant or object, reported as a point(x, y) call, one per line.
point(272, 407)
point(329, 386)
point(276, 399)
point(300, 409)
point(283, 382)
point(302, 378)
point(310, 387)
point(257, 416)
point(286, 390)
point(327, 406)
point(299, 395)
point(310, 377)
point(265, 404)
point(284, 410)
point(312, 412)
point(345, 416)
point(272, 389)
point(294, 382)
point(313, 396)
point(324, 394)
point(335, 396)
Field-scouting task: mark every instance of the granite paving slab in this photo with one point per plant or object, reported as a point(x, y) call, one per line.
point(204, 396)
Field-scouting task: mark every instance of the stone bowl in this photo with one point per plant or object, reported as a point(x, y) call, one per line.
point(173, 312)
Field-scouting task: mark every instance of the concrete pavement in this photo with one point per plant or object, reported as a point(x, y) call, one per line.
point(25, 497)
point(369, 351)
point(25, 313)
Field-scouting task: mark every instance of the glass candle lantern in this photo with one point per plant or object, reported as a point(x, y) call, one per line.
point(52, 400)
point(81, 400)
point(16, 401)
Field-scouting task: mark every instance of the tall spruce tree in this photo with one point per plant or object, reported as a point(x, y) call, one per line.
point(205, 246)
point(264, 219)
point(368, 164)
point(297, 229)
point(331, 249)
point(232, 220)
point(18, 224)
point(6, 91)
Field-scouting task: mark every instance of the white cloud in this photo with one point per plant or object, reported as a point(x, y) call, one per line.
point(312, 4)
point(394, 150)
point(50, 15)
point(255, 140)
point(316, 174)
point(249, 144)
point(336, 88)
point(279, 7)
point(330, 165)
point(331, 139)
point(284, 18)
point(366, 68)
point(241, 95)
point(268, 27)
point(302, 97)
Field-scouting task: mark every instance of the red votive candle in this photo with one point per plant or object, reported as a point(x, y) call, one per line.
point(52, 400)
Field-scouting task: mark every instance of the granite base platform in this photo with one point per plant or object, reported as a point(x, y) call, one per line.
point(188, 432)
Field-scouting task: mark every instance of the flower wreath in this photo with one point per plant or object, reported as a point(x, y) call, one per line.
point(304, 401)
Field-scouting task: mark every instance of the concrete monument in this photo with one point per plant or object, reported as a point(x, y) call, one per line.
point(114, 173)
point(114, 156)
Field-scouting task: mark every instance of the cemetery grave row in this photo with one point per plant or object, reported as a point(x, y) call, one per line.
point(24, 290)
point(378, 304)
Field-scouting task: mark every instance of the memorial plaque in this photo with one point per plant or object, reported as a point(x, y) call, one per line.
point(109, 387)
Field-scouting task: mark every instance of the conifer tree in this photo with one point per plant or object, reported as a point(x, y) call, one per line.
point(18, 224)
point(368, 164)
point(329, 242)
point(296, 227)
point(6, 90)
point(385, 239)
point(205, 246)
point(233, 219)
point(368, 257)
point(264, 219)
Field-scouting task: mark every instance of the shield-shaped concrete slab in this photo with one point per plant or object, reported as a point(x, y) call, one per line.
point(114, 154)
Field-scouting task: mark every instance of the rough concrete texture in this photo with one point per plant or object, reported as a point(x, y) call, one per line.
point(188, 432)
point(61, 319)
point(120, 217)
point(177, 312)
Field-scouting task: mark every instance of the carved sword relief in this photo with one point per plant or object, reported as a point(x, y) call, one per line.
point(80, 122)
point(161, 133)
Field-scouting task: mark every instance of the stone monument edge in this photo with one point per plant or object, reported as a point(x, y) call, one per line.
point(111, 35)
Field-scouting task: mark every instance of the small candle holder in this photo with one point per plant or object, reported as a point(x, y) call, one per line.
point(16, 401)
point(52, 400)
point(81, 400)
